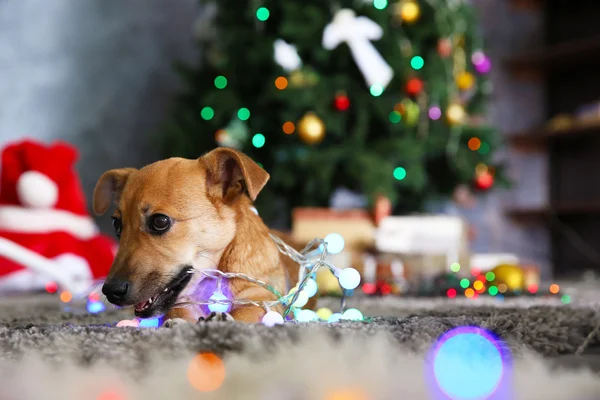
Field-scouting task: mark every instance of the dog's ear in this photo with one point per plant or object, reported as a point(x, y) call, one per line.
point(109, 188)
point(229, 169)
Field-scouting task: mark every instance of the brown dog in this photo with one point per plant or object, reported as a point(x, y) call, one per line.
point(178, 214)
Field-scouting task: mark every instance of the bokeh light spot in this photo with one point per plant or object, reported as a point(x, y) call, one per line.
point(289, 128)
point(149, 322)
point(380, 4)
point(566, 299)
point(451, 293)
point(468, 363)
point(243, 114)
point(395, 117)
point(110, 395)
point(435, 113)
point(455, 267)
point(207, 113)
point(417, 62)
point(220, 82)
point(533, 288)
point(376, 90)
point(399, 173)
point(263, 14)
point(502, 288)
point(477, 285)
point(474, 144)
point(347, 394)
point(258, 140)
point(490, 276)
point(464, 283)
point(281, 82)
point(554, 288)
point(66, 297)
point(469, 293)
point(95, 307)
point(484, 148)
point(51, 287)
point(206, 372)
point(493, 290)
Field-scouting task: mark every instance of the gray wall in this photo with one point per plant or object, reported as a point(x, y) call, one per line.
point(98, 74)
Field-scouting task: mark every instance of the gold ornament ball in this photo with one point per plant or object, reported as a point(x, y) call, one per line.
point(465, 80)
point(409, 11)
point(311, 129)
point(455, 114)
point(511, 275)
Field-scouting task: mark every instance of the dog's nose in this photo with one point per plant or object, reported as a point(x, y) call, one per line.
point(115, 290)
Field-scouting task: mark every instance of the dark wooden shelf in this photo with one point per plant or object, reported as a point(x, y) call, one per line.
point(539, 138)
point(544, 213)
point(556, 57)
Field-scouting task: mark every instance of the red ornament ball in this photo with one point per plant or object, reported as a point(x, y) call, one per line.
point(484, 181)
point(341, 102)
point(414, 86)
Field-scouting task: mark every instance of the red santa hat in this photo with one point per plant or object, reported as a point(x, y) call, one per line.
point(44, 217)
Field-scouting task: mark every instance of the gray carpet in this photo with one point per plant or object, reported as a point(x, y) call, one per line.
point(73, 351)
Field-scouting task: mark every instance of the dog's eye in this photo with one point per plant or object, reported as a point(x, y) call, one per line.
point(118, 225)
point(159, 223)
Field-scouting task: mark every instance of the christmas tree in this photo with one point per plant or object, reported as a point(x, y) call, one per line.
point(381, 97)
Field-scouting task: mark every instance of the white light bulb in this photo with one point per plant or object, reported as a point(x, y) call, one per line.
point(349, 278)
point(310, 288)
point(352, 314)
point(335, 243)
point(301, 300)
point(334, 318)
point(307, 316)
point(272, 318)
point(219, 307)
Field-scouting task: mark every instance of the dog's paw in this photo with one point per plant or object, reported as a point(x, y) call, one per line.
point(216, 316)
point(173, 322)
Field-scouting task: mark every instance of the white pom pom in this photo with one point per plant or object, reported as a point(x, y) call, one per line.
point(36, 190)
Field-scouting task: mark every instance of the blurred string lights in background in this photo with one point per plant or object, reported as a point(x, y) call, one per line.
point(469, 363)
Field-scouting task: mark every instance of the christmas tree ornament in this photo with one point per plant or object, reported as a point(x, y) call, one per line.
point(311, 128)
point(414, 86)
point(357, 33)
point(408, 11)
point(484, 181)
point(411, 112)
point(303, 78)
point(510, 275)
point(465, 80)
point(455, 114)
point(286, 55)
point(341, 102)
point(444, 47)
point(481, 62)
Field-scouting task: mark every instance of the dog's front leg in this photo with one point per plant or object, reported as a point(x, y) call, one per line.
point(253, 314)
point(177, 316)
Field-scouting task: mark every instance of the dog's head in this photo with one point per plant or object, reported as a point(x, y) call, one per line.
point(170, 217)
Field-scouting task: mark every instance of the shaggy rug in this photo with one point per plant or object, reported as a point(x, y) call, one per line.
point(49, 353)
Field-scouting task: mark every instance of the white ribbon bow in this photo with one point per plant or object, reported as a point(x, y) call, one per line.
point(358, 32)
